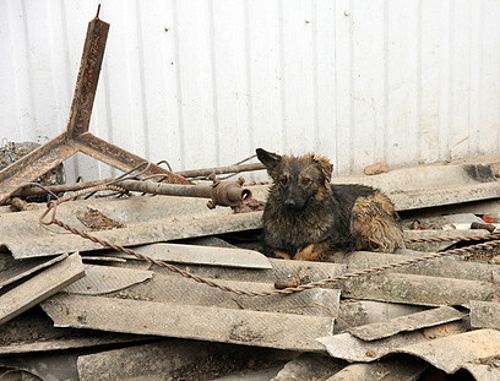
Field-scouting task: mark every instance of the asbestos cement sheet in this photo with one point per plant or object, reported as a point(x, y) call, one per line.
point(417, 289)
point(484, 371)
point(347, 347)
point(413, 322)
point(12, 270)
point(449, 267)
point(452, 353)
point(398, 368)
point(266, 329)
point(309, 367)
point(103, 280)
point(40, 287)
point(203, 255)
point(142, 220)
point(171, 289)
point(33, 331)
point(484, 314)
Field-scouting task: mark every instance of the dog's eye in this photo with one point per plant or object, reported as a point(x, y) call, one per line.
point(306, 181)
point(284, 181)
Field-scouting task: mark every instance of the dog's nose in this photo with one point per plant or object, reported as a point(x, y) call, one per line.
point(289, 203)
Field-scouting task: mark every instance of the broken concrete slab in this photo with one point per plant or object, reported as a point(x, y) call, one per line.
point(40, 287)
point(399, 368)
point(309, 367)
point(452, 353)
point(347, 347)
point(266, 329)
point(484, 314)
point(100, 280)
point(202, 255)
point(12, 270)
point(408, 323)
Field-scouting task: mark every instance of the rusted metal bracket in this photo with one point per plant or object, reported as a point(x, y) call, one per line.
point(76, 138)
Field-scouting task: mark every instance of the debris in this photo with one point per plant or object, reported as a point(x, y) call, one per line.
point(40, 287)
point(413, 322)
point(347, 347)
point(12, 271)
point(144, 220)
point(417, 289)
point(264, 329)
point(476, 225)
point(96, 220)
point(102, 280)
point(484, 314)
point(377, 168)
point(174, 360)
point(203, 255)
point(397, 368)
point(453, 352)
point(309, 367)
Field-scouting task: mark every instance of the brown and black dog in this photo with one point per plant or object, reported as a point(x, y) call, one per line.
point(307, 218)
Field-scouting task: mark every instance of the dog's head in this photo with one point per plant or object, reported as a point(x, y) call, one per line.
point(297, 179)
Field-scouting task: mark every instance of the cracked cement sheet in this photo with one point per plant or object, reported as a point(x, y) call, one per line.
point(425, 186)
point(173, 359)
point(12, 270)
point(309, 367)
point(399, 368)
point(170, 289)
point(266, 329)
point(413, 322)
point(452, 353)
point(450, 267)
point(417, 289)
point(484, 372)
point(484, 314)
point(202, 255)
point(33, 331)
point(144, 220)
point(40, 287)
point(347, 347)
point(103, 280)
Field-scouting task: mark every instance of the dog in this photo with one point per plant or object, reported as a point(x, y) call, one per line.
point(306, 218)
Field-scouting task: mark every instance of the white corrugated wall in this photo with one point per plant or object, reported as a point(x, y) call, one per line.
point(203, 83)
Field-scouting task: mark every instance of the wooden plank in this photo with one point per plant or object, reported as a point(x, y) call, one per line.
point(40, 287)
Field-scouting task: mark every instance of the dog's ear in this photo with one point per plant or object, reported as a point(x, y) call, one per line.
point(269, 159)
point(325, 166)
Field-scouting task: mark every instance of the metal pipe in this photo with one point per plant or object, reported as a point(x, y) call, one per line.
point(221, 170)
point(222, 193)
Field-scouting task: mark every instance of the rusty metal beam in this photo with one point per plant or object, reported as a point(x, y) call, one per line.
point(76, 136)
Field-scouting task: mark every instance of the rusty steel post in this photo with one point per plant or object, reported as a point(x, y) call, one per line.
point(76, 137)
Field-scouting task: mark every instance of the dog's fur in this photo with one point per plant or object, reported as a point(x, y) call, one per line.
point(307, 218)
